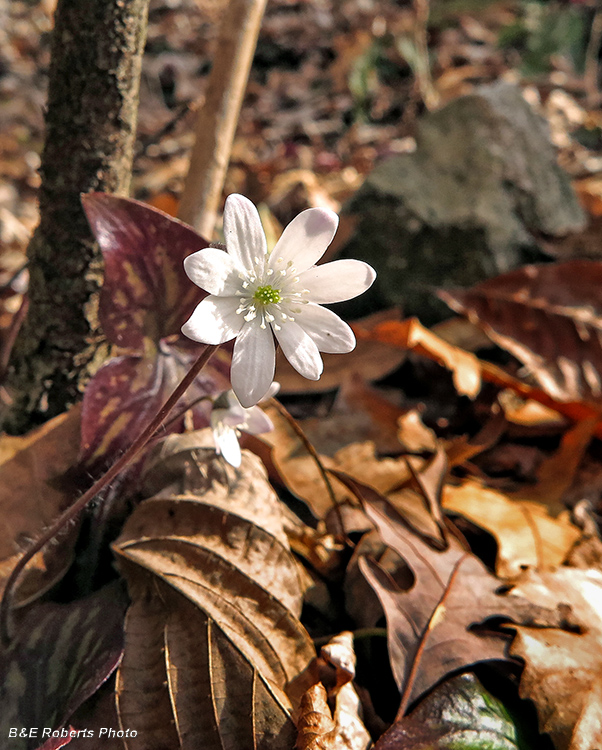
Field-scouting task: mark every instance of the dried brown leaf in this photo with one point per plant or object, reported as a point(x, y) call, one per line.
point(411, 335)
point(429, 625)
point(527, 535)
point(563, 671)
point(141, 690)
point(549, 317)
point(31, 497)
point(315, 724)
point(371, 360)
point(317, 730)
point(468, 370)
point(556, 474)
point(211, 546)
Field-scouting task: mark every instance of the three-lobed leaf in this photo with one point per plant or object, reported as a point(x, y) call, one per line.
point(145, 293)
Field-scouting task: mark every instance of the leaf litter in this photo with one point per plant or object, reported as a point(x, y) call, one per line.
point(208, 625)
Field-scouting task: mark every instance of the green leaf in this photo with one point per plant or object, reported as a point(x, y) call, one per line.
point(459, 715)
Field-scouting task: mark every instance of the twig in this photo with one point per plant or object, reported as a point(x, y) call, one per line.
point(74, 510)
point(152, 138)
point(217, 119)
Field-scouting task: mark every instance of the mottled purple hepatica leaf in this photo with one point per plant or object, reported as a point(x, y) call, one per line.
point(61, 656)
point(146, 292)
point(127, 391)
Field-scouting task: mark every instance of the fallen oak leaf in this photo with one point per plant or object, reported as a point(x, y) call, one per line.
point(430, 629)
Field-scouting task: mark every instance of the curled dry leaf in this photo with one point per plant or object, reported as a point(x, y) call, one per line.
point(315, 724)
point(411, 335)
point(550, 318)
point(32, 496)
point(317, 730)
point(527, 535)
point(430, 626)
point(216, 599)
point(339, 656)
point(563, 671)
point(468, 371)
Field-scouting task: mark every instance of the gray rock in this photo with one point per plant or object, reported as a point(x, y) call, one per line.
point(465, 206)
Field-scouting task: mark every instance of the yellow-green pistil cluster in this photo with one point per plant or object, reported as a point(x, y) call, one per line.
point(267, 295)
point(272, 305)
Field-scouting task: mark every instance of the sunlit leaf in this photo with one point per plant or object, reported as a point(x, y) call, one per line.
point(145, 291)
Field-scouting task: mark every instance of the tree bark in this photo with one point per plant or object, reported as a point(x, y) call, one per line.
point(94, 81)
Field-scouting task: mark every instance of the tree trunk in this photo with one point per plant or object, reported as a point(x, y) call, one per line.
point(95, 67)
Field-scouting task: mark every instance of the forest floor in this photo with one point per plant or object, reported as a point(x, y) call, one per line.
point(458, 438)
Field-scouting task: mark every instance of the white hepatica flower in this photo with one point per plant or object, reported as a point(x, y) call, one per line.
point(255, 295)
point(228, 417)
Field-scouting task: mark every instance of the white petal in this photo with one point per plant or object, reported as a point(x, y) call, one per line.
point(257, 422)
point(305, 239)
point(331, 334)
point(226, 442)
point(300, 350)
point(213, 270)
point(243, 233)
point(214, 321)
point(272, 390)
point(253, 363)
point(337, 281)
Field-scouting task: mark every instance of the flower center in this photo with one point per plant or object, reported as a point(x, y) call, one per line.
point(267, 295)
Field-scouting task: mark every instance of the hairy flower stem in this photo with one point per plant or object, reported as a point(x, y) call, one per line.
point(312, 452)
point(74, 510)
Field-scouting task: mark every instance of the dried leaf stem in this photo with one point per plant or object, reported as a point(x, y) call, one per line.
point(218, 117)
point(74, 510)
point(310, 449)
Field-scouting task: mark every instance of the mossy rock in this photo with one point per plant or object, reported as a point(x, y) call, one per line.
point(468, 204)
